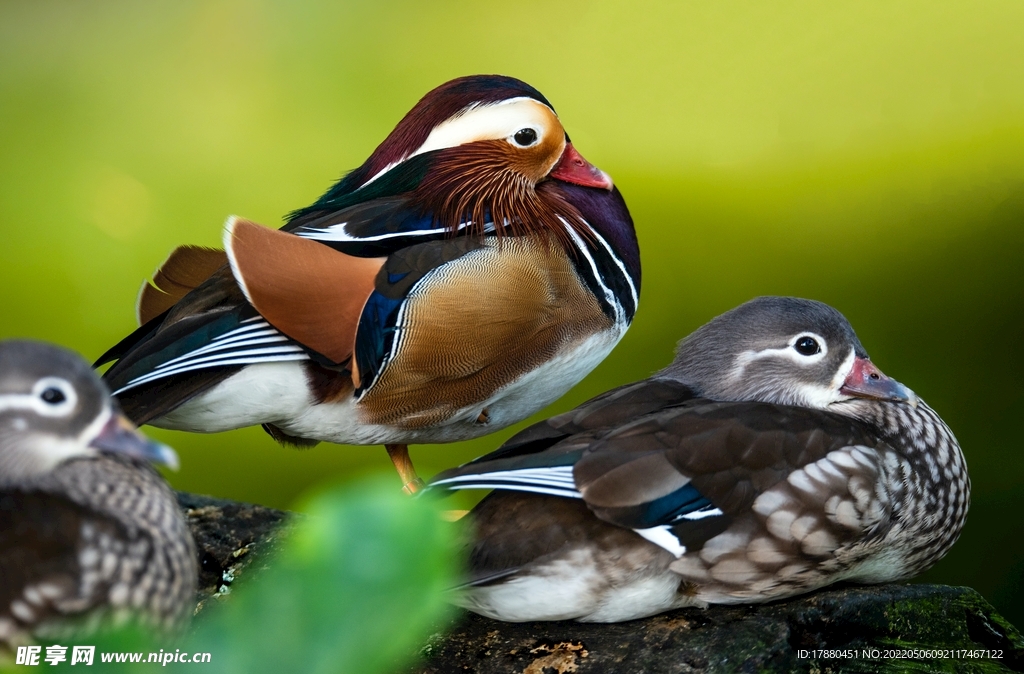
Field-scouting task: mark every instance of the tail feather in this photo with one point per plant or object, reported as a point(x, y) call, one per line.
point(138, 336)
point(185, 269)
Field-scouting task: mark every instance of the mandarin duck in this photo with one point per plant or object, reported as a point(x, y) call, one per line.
point(771, 458)
point(468, 274)
point(89, 533)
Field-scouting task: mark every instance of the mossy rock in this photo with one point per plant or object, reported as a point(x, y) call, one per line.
point(850, 629)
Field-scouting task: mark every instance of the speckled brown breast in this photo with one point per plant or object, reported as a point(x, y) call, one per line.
point(96, 540)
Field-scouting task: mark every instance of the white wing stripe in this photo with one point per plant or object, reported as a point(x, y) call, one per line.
point(706, 511)
point(271, 356)
point(337, 233)
point(287, 348)
point(533, 489)
point(234, 347)
point(221, 360)
point(243, 329)
point(247, 337)
point(554, 475)
point(266, 358)
point(264, 337)
point(663, 538)
point(512, 480)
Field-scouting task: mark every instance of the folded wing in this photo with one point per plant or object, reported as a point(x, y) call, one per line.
point(683, 474)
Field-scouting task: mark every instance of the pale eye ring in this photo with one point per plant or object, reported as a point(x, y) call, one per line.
point(55, 397)
point(525, 137)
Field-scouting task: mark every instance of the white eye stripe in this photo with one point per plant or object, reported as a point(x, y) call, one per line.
point(789, 352)
point(23, 401)
point(17, 401)
point(34, 402)
point(483, 122)
point(486, 122)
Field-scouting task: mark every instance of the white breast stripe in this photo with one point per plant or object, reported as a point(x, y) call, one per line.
point(619, 264)
point(582, 248)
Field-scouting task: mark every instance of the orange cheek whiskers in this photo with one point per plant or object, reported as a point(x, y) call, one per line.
point(475, 182)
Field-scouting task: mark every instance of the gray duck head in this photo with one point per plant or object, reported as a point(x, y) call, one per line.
point(782, 350)
point(53, 408)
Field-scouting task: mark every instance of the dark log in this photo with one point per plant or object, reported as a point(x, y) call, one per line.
point(885, 628)
point(853, 629)
point(230, 538)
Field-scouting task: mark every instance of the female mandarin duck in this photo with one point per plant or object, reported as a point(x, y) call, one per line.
point(469, 273)
point(89, 535)
point(771, 458)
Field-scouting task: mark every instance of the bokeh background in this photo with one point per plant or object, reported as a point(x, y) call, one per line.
point(869, 155)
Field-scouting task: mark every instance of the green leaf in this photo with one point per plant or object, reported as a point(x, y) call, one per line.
point(356, 589)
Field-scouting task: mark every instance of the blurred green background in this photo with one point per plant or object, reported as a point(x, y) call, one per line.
point(869, 155)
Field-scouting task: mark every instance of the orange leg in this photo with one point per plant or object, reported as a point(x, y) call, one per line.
point(411, 482)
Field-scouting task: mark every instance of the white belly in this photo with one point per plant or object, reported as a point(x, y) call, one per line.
point(576, 586)
point(278, 393)
point(257, 394)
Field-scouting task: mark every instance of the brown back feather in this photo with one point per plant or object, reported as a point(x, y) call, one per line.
point(309, 291)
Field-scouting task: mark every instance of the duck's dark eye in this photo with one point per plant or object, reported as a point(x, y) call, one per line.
point(807, 346)
point(525, 137)
point(53, 396)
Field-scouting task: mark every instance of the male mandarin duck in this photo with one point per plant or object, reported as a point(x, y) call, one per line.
point(88, 532)
point(771, 458)
point(468, 274)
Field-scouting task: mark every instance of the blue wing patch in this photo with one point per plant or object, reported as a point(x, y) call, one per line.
point(379, 333)
point(375, 337)
point(674, 507)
